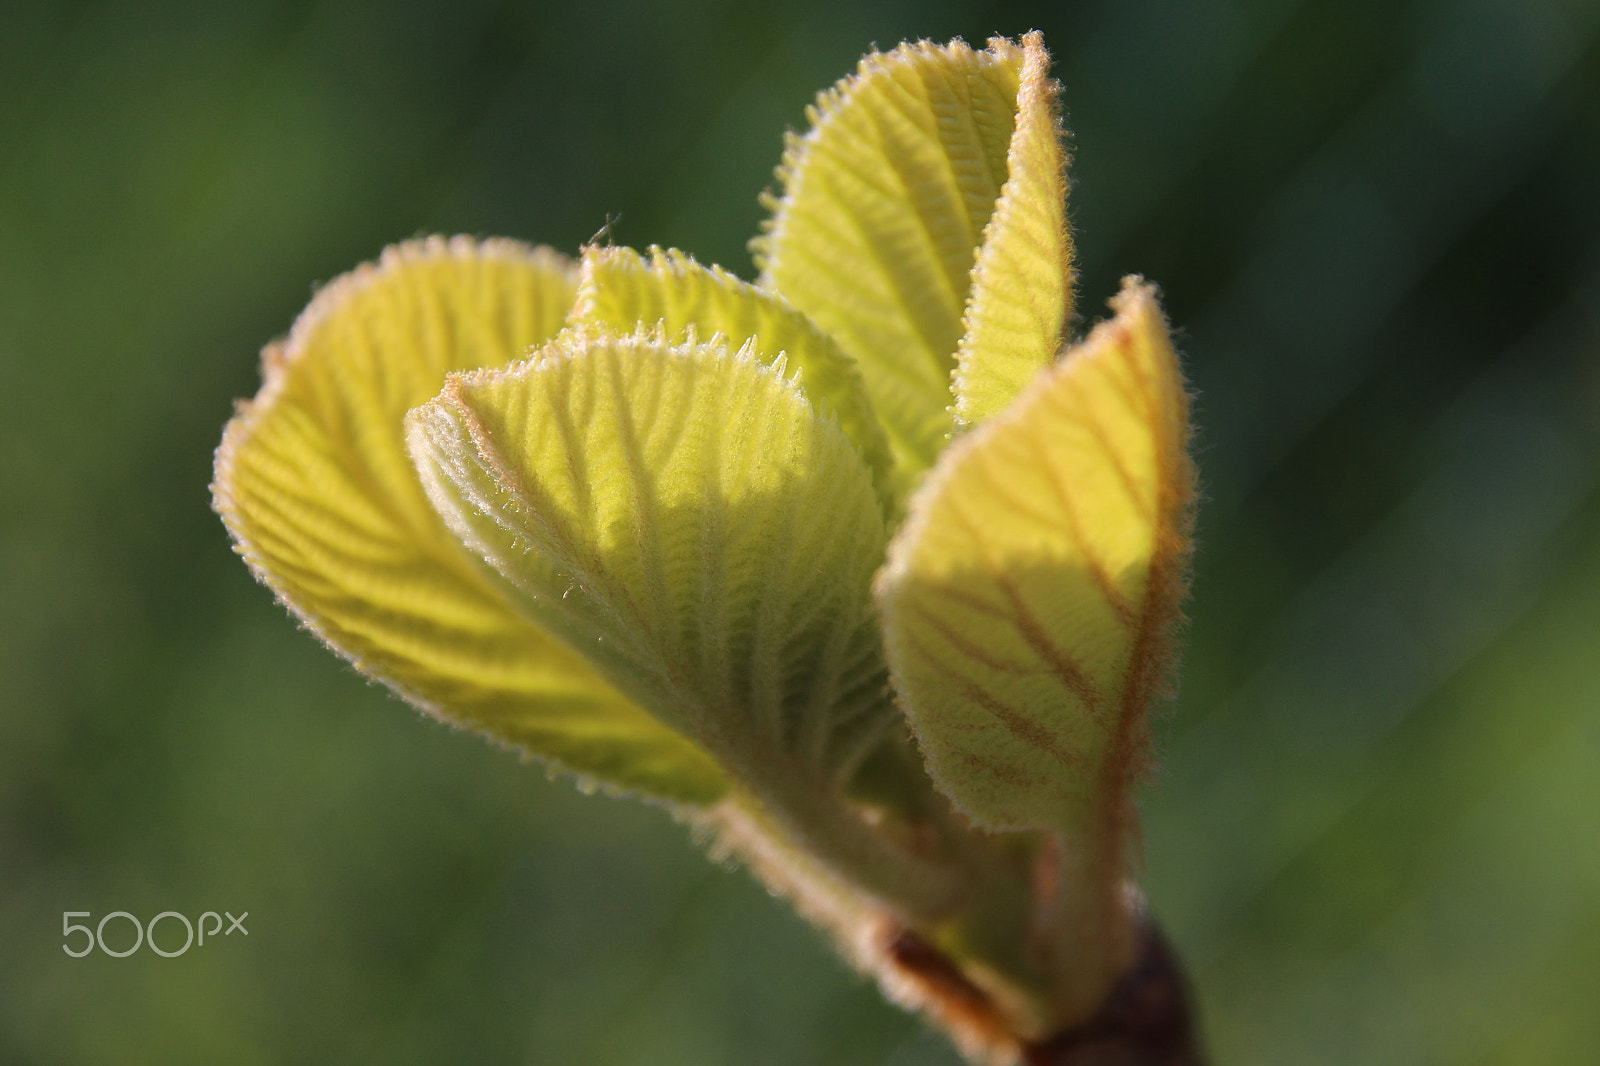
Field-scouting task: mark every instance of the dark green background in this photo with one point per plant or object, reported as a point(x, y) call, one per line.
point(1376, 836)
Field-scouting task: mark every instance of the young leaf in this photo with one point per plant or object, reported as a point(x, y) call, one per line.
point(1027, 606)
point(1022, 282)
point(885, 201)
point(618, 289)
point(313, 482)
point(681, 515)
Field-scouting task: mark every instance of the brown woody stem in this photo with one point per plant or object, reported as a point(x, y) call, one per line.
point(1147, 1020)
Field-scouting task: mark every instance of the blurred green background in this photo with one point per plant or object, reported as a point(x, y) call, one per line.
point(1376, 835)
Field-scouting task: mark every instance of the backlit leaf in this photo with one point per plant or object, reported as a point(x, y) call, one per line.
point(314, 483)
point(682, 515)
point(885, 201)
point(1022, 283)
point(620, 289)
point(1028, 602)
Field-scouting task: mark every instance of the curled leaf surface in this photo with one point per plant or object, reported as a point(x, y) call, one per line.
point(619, 290)
point(1021, 296)
point(885, 201)
point(1028, 604)
point(1027, 599)
point(682, 515)
point(314, 484)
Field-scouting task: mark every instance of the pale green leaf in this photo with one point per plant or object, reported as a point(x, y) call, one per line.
point(682, 515)
point(1021, 294)
point(1027, 606)
point(620, 289)
point(885, 201)
point(313, 481)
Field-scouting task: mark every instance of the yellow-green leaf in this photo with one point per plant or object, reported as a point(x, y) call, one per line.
point(619, 289)
point(1027, 598)
point(1021, 294)
point(885, 201)
point(1028, 602)
point(682, 515)
point(313, 481)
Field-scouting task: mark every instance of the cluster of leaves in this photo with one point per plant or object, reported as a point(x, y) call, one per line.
point(719, 544)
